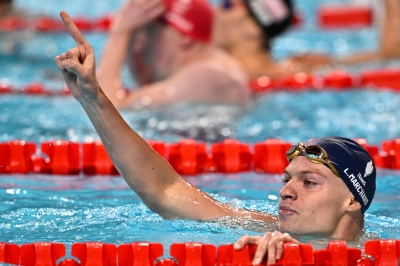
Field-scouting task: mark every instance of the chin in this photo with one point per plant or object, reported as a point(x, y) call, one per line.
point(289, 228)
point(303, 231)
point(294, 229)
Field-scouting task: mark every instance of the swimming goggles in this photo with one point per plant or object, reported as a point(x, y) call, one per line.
point(313, 153)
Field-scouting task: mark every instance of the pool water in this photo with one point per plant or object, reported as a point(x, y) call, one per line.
point(72, 209)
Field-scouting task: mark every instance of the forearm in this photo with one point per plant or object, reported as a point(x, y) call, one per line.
point(147, 173)
point(360, 58)
point(109, 73)
point(390, 34)
point(389, 40)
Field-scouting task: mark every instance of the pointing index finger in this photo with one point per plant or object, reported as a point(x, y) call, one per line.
point(73, 29)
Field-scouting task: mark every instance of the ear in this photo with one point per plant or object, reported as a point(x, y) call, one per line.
point(353, 205)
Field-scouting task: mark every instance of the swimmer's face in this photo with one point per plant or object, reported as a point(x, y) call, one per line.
point(313, 200)
point(231, 25)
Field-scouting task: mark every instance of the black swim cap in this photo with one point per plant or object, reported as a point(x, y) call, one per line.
point(354, 164)
point(273, 16)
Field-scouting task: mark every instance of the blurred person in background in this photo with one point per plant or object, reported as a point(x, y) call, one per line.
point(246, 29)
point(166, 43)
point(16, 27)
point(6, 8)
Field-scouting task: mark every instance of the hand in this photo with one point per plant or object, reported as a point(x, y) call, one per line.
point(135, 14)
point(271, 244)
point(78, 64)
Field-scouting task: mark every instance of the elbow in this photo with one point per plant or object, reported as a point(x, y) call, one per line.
point(162, 211)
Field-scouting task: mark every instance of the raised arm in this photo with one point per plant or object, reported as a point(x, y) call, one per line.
point(147, 173)
point(126, 24)
point(389, 40)
point(388, 46)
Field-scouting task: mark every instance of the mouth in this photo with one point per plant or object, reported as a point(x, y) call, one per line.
point(286, 210)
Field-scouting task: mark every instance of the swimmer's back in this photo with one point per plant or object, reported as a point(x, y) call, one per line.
point(217, 78)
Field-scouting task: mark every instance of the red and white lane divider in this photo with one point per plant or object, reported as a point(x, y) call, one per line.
point(187, 157)
point(378, 79)
point(34, 88)
point(52, 24)
point(377, 253)
point(344, 16)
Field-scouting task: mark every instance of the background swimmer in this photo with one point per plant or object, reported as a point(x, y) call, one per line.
point(321, 195)
point(183, 67)
point(246, 29)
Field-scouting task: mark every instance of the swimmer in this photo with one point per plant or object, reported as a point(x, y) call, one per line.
point(246, 29)
point(184, 66)
point(6, 8)
point(13, 16)
point(9, 10)
point(328, 184)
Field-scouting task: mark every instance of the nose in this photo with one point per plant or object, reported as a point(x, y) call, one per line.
point(288, 191)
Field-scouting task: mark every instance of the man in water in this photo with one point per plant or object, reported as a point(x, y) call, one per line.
point(182, 64)
point(246, 29)
point(328, 185)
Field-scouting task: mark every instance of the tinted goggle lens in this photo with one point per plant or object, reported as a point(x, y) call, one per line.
point(313, 153)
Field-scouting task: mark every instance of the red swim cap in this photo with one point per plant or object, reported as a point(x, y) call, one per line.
point(192, 18)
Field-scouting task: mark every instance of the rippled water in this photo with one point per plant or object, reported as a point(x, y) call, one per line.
point(103, 208)
point(373, 115)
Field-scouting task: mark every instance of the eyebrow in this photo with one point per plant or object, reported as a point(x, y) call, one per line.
point(305, 172)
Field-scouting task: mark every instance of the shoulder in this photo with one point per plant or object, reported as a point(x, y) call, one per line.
point(215, 71)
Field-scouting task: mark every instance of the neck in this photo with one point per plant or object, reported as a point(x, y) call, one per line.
point(350, 227)
point(256, 60)
point(196, 52)
point(5, 8)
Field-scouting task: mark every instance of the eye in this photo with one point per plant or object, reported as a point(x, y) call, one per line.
point(309, 183)
point(285, 180)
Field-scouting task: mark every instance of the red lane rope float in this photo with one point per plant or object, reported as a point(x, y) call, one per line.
point(51, 24)
point(344, 16)
point(339, 80)
point(381, 78)
point(34, 88)
point(187, 157)
point(379, 253)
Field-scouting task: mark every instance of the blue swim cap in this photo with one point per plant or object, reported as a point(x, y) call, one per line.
point(354, 164)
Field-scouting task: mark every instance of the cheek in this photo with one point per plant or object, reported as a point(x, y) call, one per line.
point(321, 202)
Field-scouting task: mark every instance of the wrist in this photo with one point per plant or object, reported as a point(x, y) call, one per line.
point(96, 97)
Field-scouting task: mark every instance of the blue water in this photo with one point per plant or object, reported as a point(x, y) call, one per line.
point(102, 208)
